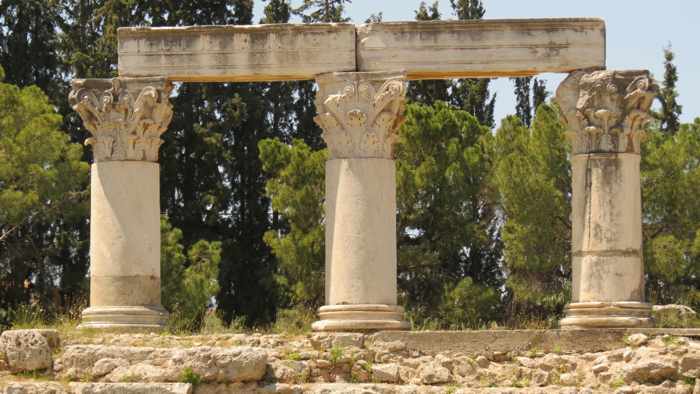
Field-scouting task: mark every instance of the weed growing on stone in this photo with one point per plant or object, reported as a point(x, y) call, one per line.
point(190, 376)
point(294, 356)
point(336, 354)
point(670, 340)
point(522, 383)
point(35, 375)
point(130, 378)
point(689, 381)
point(617, 382)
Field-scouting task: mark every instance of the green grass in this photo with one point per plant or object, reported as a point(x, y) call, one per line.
point(191, 377)
point(336, 354)
point(617, 382)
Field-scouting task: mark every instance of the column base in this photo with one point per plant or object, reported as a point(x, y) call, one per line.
point(125, 318)
point(584, 315)
point(360, 317)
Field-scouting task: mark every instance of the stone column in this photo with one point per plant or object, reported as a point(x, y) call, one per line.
point(605, 113)
point(126, 117)
point(360, 114)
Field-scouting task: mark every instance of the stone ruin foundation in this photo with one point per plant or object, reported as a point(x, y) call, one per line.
point(387, 362)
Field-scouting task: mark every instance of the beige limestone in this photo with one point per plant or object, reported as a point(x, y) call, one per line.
point(237, 53)
point(483, 48)
point(25, 350)
point(131, 388)
point(126, 117)
point(359, 114)
point(149, 364)
point(606, 112)
point(124, 246)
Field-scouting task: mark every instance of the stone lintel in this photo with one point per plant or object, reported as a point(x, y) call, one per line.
point(425, 49)
point(483, 48)
point(251, 53)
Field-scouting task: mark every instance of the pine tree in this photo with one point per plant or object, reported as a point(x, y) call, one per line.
point(43, 189)
point(533, 177)
point(670, 181)
point(326, 11)
point(296, 188)
point(468, 9)
point(670, 109)
point(446, 215)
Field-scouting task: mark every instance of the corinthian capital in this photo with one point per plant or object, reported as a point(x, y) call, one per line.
point(125, 116)
point(360, 113)
point(606, 111)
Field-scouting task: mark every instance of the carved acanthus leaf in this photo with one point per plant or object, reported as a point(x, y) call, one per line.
point(126, 117)
point(606, 111)
point(360, 113)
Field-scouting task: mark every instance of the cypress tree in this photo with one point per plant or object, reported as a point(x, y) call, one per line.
point(670, 109)
point(523, 108)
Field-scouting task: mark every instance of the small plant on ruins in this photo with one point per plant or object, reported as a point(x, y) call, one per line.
point(295, 321)
point(130, 378)
point(690, 381)
point(670, 340)
point(617, 382)
point(557, 349)
point(294, 356)
point(34, 375)
point(190, 376)
point(336, 354)
point(451, 389)
point(522, 383)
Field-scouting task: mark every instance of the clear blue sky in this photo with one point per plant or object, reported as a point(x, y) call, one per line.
point(637, 31)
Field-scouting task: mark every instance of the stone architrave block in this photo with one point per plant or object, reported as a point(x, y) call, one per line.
point(131, 388)
point(483, 48)
point(25, 350)
point(237, 53)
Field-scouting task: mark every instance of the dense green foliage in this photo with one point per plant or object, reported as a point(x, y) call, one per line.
point(296, 189)
point(447, 227)
point(42, 191)
point(670, 186)
point(189, 280)
point(483, 213)
point(532, 175)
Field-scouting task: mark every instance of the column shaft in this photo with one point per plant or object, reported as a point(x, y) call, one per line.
point(124, 245)
point(360, 229)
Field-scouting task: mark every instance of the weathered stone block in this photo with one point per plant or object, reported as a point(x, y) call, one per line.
point(117, 364)
point(131, 388)
point(484, 48)
point(25, 350)
point(237, 53)
point(35, 388)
